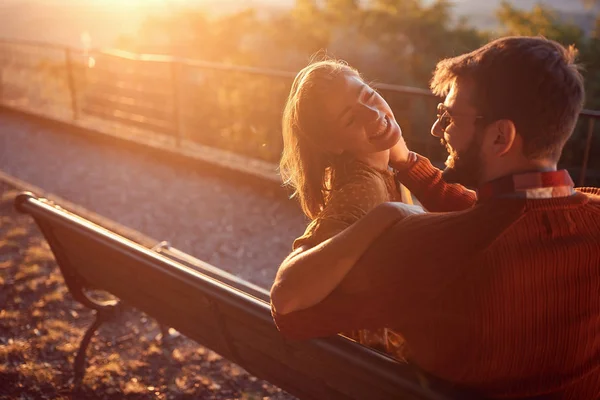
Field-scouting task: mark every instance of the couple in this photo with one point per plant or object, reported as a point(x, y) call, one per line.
point(497, 290)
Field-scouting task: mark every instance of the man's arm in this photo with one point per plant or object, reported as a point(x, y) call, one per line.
point(425, 182)
point(307, 276)
point(372, 293)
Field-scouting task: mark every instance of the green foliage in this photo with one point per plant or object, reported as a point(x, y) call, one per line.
point(546, 22)
point(590, 3)
point(590, 61)
point(392, 41)
point(409, 35)
point(538, 21)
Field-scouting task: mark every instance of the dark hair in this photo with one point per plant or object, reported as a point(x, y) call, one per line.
point(532, 81)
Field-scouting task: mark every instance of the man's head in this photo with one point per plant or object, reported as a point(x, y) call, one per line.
point(510, 107)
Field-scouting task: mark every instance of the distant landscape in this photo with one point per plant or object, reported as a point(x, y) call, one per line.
point(233, 112)
point(64, 21)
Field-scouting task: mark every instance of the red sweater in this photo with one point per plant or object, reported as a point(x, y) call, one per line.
point(502, 297)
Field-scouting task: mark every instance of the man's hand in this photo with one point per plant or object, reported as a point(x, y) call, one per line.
point(403, 210)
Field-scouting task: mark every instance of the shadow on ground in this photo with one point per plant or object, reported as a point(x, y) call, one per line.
point(41, 326)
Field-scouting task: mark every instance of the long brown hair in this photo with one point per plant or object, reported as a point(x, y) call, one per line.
point(305, 165)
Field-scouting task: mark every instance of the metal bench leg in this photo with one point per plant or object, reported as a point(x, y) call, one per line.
point(102, 315)
point(104, 309)
point(166, 338)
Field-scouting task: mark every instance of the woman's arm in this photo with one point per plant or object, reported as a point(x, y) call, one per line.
point(308, 275)
point(425, 182)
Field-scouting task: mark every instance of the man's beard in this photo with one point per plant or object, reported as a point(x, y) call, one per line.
point(464, 166)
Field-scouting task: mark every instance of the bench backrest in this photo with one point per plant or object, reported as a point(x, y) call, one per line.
point(227, 320)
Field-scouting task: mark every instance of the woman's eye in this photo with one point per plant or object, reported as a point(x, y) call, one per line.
point(371, 94)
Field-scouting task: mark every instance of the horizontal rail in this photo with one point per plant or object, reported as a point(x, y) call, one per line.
point(132, 78)
point(122, 89)
point(161, 58)
point(113, 103)
point(175, 91)
point(32, 43)
point(139, 121)
point(595, 114)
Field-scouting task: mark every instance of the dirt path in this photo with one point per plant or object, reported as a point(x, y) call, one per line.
point(227, 224)
point(41, 326)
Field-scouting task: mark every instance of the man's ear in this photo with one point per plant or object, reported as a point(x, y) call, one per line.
point(502, 137)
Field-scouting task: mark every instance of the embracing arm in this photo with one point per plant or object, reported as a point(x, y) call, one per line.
point(426, 183)
point(307, 276)
point(372, 293)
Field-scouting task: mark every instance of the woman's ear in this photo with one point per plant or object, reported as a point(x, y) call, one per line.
point(502, 137)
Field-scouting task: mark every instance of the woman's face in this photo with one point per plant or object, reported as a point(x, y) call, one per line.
point(358, 120)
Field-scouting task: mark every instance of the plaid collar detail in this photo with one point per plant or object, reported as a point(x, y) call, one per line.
point(531, 185)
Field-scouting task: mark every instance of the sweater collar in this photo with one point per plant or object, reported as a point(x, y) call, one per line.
point(530, 185)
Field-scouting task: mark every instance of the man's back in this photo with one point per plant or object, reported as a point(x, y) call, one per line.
point(518, 293)
point(502, 297)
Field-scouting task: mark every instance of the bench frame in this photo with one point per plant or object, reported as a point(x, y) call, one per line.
point(326, 368)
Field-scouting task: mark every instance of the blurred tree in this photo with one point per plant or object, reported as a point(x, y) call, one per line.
point(296, 34)
point(546, 22)
point(538, 21)
point(392, 41)
point(195, 34)
point(590, 60)
point(590, 3)
point(413, 36)
point(410, 35)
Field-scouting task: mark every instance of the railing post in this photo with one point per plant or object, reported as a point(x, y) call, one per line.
point(586, 153)
point(1, 82)
point(3, 62)
point(71, 82)
point(176, 89)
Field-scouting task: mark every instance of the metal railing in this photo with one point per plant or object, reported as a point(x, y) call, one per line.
point(591, 117)
point(230, 107)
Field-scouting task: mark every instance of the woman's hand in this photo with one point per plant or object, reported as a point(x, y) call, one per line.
point(399, 154)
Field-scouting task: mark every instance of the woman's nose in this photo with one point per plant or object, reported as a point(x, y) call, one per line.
point(369, 114)
point(436, 129)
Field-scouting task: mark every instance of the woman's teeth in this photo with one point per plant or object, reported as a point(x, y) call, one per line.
point(383, 129)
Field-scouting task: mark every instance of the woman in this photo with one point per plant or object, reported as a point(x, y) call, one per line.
point(338, 133)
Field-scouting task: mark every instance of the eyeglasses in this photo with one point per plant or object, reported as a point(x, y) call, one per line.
point(445, 117)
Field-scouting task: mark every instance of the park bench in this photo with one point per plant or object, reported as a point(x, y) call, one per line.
point(213, 308)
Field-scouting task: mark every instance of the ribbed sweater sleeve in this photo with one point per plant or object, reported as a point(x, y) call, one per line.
point(426, 183)
point(509, 287)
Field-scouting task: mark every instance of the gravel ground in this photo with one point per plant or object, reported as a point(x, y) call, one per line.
point(41, 326)
point(227, 224)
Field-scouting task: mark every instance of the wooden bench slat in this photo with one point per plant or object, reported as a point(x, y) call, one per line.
point(230, 322)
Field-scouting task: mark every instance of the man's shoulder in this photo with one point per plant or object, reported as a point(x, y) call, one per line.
point(476, 215)
point(457, 231)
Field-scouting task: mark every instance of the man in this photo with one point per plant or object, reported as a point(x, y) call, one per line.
point(502, 295)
